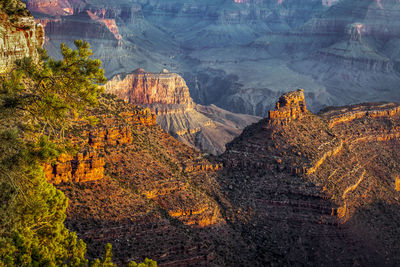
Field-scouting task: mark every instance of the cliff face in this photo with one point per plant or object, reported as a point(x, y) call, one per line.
point(51, 7)
point(240, 54)
point(88, 164)
point(133, 185)
point(290, 106)
point(336, 177)
point(143, 88)
point(167, 95)
point(20, 37)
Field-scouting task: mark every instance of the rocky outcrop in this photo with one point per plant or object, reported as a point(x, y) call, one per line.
point(343, 162)
point(140, 189)
point(51, 7)
point(111, 131)
point(20, 37)
point(148, 89)
point(167, 95)
point(337, 116)
point(290, 106)
point(109, 23)
point(85, 166)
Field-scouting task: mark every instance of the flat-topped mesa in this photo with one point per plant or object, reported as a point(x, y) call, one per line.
point(290, 106)
point(151, 89)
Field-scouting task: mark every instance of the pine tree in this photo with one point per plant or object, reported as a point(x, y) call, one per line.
point(36, 104)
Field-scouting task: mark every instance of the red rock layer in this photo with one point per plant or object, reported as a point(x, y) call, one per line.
point(290, 106)
point(109, 23)
point(144, 88)
point(20, 37)
point(88, 165)
point(51, 7)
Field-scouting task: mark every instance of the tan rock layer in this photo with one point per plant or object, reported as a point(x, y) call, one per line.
point(377, 112)
point(20, 37)
point(143, 88)
point(83, 167)
point(88, 165)
point(290, 106)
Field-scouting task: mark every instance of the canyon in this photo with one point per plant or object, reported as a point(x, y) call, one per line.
point(295, 188)
point(241, 55)
point(207, 128)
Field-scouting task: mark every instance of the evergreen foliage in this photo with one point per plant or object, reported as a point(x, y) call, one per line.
point(38, 102)
point(147, 263)
point(43, 96)
point(13, 7)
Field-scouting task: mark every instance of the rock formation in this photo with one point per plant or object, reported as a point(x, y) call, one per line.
point(144, 88)
point(20, 37)
point(290, 106)
point(133, 185)
point(167, 95)
point(336, 177)
point(295, 187)
point(239, 55)
point(51, 7)
point(88, 164)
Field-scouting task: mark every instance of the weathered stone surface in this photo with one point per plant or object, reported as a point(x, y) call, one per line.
point(20, 37)
point(338, 168)
point(85, 166)
point(207, 128)
point(144, 88)
point(111, 131)
point(290, 106)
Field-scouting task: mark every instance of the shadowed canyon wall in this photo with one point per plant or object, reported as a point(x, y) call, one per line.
point(335, 172)
point(296, 188)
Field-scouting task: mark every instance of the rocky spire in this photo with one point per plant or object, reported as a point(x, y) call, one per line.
point(290, 106)
point(353, 31)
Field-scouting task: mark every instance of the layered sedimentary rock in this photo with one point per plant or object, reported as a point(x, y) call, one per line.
point(167, 95)
point(144, 88)
point(116, 31)
point(239, 55)
point(51, 7)
point(111, 131)
point(290, 106)
point(294, 188)
point(20, 37)
point(85, 166)
point(135, 186)
point(319, 179)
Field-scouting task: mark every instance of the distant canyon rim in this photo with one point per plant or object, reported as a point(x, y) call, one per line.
point(240, 55)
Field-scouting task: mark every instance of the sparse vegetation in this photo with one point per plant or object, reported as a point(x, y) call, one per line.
point(13, 7)
point(38, 102)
